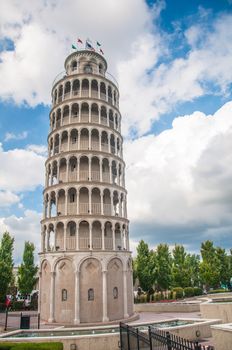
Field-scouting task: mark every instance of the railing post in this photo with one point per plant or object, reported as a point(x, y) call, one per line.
point(128, 337)
point(6, 319)
point(120, 332)
point(197, 346)
point(137, 333)
point(38, 320)
point(169, 342)
point(150, 336)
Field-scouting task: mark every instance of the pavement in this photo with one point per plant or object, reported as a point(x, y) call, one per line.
point(13, 320)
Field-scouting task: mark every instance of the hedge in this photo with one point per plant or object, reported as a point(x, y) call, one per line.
point(214, 291)
point(179, 292)
point(188, 292)
point(197, 291)
point(31, 346)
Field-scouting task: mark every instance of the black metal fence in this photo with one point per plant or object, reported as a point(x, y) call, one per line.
point(19, 320)
point(133, 339)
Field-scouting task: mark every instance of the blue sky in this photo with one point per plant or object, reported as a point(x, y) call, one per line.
point(174, 68)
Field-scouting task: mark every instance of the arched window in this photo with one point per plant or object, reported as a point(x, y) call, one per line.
point(90, 294)
point(64, 295)
point(88, 69)
point(115, 293)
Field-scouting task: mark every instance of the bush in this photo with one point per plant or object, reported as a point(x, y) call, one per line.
point(17, 306)
point(31, 346)
point(214, 291)
point(143, 298)
point(2, 307)
point(197, 291)
point(179, 292)
point(188, 292)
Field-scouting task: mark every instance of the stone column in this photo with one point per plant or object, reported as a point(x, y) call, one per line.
point(103, 236)
point(52, 298)
point(44, 208)
point(77, 211)
point(113, 237)
point(65, 236)
point(89, 114)
point(69, 139)
point(66, 203)
point(110, 169)
point(49, 206)
point(67, 170)
point(78, 169)
point(100, 141)
point(90, 237)
point(100, 163)
point(107, 116)
point(121, 238)
point(77, 298)
point(99, 114)
point(47, 241)
point(90, 163)
point(90, 201)
point(108, 143)
point(112, 203)
point(125, 294)
point(120, 205)
point(104, 296)
point(90, 139)
point(102, 209)
point(77, 238)
point(79, 140)
point(39, 296)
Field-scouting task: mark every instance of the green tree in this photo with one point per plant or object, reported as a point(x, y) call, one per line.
point(224, 266)
point(163, 267)
point(6, 264)
point(180, 267)
point(27, 270)
point(145, 266)
point(210, 266)
point(135, 273)
point(193, 269)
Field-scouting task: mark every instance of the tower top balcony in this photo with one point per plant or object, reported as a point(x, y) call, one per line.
point(85, 61)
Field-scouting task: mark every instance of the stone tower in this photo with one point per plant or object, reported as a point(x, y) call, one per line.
point(85, 262)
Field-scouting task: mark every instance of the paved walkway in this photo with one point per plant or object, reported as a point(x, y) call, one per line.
point(144, 317)
point(161, 316)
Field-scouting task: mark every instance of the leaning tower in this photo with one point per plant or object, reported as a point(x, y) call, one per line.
point(85, 261)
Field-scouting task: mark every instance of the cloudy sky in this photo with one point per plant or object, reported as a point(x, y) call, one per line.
point(173, 62)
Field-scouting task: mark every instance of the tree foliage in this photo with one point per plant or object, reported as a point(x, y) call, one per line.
point(27, 270)
point(210, 266)
point(6, 264)
point(163, 267)
point(145, 266)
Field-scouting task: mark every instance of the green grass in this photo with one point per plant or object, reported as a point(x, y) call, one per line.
point(31, 346)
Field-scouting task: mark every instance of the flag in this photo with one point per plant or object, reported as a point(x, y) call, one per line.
point(98, 44)
point(101, 52)
point(74, 47)
point(79, 41)
point(89, 46)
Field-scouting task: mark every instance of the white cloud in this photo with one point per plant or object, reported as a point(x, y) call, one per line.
point(152, 81)
point(150, 87)
point(42, 41)
point(24, 228)
point(39, 149)
point(183, 176)
point(21, 170)
point(11, 136)
point(8, 198)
